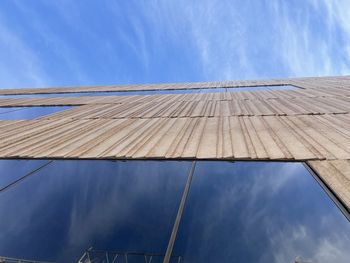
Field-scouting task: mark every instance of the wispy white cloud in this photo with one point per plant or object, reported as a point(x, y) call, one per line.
point(210, 33)
point(150, 41)
point(286, 245)
point(219, 32)
point(307, 48)
point(233, 40)
point(338, 18)
point(19, 63)
point(59, 48)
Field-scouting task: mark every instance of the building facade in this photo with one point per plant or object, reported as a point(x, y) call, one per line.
point(199, 154)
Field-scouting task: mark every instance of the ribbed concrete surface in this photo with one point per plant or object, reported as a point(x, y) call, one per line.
point(211, 108)
point(302, 95)
point(167, 86)
point(310, 124)
point(270, 137)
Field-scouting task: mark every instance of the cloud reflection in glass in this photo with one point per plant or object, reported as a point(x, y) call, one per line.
point(260, 212)
point(69, 206)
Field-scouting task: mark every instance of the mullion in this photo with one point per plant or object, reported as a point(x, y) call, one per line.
point(178, 218)
point(23, 177)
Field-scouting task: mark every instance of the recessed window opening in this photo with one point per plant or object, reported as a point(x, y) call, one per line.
point(157, 92)
point(167, 211)
point(29, 113)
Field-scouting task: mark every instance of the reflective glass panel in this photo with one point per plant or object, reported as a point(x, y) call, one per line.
point(12, 170)
point(28, 113)
point(155, 92)
point(70, 206)
point(10, 109)
point(260, 212)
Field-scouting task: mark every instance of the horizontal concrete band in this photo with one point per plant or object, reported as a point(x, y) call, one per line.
point(308, 124)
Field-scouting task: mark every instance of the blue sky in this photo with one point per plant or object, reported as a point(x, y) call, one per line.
point(85, 42)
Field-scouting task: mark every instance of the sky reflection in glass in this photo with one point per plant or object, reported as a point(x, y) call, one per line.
point(154, 92)
point(28, 113)
point(69, 206)
point(260, 212)
point(235, 211)
point(12, 170)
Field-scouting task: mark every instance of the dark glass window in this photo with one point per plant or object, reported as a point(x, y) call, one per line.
point(234, 212)
point(155, 92)
point(28, 113)
point(260, 212)
point(13, 170)
point(69, 206)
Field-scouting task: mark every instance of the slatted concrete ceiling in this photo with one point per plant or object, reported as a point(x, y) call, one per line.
point(311, 123)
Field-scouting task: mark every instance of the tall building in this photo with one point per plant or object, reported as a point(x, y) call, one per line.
point(237, 171)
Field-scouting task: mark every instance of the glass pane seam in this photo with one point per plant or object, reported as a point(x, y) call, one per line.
point(12, 184)
point(181, 209)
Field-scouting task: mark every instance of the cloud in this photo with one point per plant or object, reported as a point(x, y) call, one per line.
point(165, 41)
point(297, 242)
point(210, 33)
point(230, 40)
point(310, 38)
point(20, 64)
point(338, 18)
point(61, 50)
